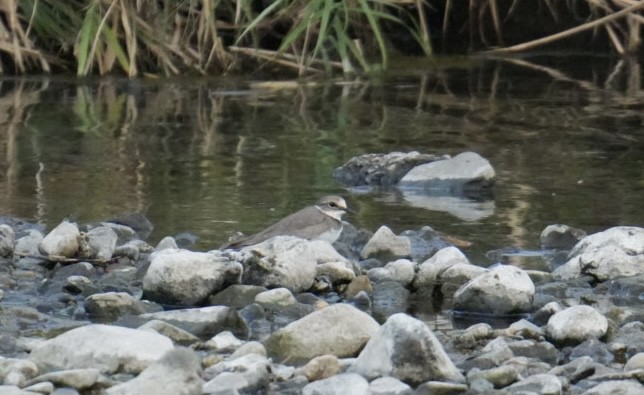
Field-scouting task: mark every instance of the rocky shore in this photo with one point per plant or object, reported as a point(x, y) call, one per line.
point(95, 309)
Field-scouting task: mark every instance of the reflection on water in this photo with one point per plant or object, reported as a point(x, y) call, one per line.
point(214, 156)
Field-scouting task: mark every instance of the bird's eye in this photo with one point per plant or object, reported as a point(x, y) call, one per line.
point(333, 204)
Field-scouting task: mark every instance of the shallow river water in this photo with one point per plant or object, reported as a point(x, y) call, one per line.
point(213, 156)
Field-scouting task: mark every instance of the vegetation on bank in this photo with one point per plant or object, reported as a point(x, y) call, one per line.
point(306, 36)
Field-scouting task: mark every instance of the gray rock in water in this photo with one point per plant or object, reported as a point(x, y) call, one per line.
point(287, 261)
point(136, 221)
point(544, 384)
point(339, 330)
point(502, 290)
point(111, 305)
point(430, 272)
point(177, 335)
point(385, 245)
point(615, 252)
point(401, 270)
point(463, 174)
point(7, 240)
point(240, 375)
point(63, 240)
point(560, 237)
point(341, 384)
point(576, 324)
point(380, 169)
point(236, 295)
point(203, 322)
point(405, 348)
point(389, 298)
point(182, 277)
point(101, 242)
point(28, 244)
point(176, 373)
point(109, 349)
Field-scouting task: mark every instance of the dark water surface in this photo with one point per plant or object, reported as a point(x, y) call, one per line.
point(212, 156)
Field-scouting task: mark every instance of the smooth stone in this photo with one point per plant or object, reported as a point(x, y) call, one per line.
point(560, 237)
point(430, 271)
point(389, 298)
point(111, 305)
point(78, 285)
point(455, 276)
point(177, 372)
point(236, 296)
point(543, 351)
point(385, 245)
point(74, 378)
point(576, 324)
point(615, 252)
point(136, 221)
point(493, 354)
point(203, 322)
point(541, 316)
point(101, 242)
point(63, 241)
point(617, 387)
point(41, 388)
point(474, 334)
point(109, 349)
point(277, 296)
point(7, 240)
point(597, 350)
point(177, 335)
point(124, 233)
point(6, 389)
point(167, 243)
point(544, 384)
point(341, 384)
point(18, 372)
point(401, 271)
point(357, 285)
point(440, 388)
point(405, 348)
point(287, 261)
point(463, 172)
point(245, 374)
point(339, 329)
point(525, 329)
point(501, 290)
point(251, 347)
point(28, 245)
point(320, 367)
point(339, 272)
point(182, 277)
point(223, 342)
point(500, 376)
point(635, 362)
point(389, 386)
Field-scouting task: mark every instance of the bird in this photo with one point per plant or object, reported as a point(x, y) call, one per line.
point(321, 221)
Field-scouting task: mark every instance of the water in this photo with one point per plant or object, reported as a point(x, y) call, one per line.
point(213, 156)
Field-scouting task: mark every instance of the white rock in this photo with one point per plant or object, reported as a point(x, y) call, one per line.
point(202, 321)
point(7, 240)
point(617, 387)
point(429, 272)
point(339, 329)
point(389, 386)
point(176, 373)
point(28, 245)
point(17, 372)
point(337, 272)
point(63, 240)
point(111, 305)
point(14, 390)
point(74, 378)
point(451, 174)
point(251, 347)
point(615, 252)
point(223, 342)
point(244, 374)
point(501, 290)
point(576, 324)
point(167, 243)
point(277, 296)
point(635, 362)
point(109, 349)
point(401, 270)
point(101, 242)
point(405, 348)
point(341, 384)
point(384, 244)
point(560, 236)
point(544, 384)
point(455, 276)
point(183, 277)
point(287, 261)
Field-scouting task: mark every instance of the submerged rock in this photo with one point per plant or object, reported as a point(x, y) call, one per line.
point(405, 348)
point(615, 252)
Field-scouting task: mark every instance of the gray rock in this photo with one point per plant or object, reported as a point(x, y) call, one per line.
point(455, 276)
point(28, 244)
point(560, 237)
point(17, 372)
point(340, 330)
point(576, 324)
point(441, 388)
point(63, 240)
point(7, 240)
point(223, 342)
point(236, 295)
point(41, 388)
point(79, 379)
point(389, 386)
point(525, 329)
point(545, 384)
point(617, 387)
point(287, 261)
point(176, 373)
point(277, 296)
point(251, 347)
point(245, 374)
point(405, 348)
point(341, 384)
point(575, 370)
point(474, 334)
point(597, 350)
point(320, 367)
point(389, 298)
point(430, 271)
point(501, 290)
point(167, 243)
point(203, 322)
point(111, 305)
point(380, 169)
point(337, 272)
point(401, 271)
point(464, 172)
point(493, 354)
point(182, 277)
point(543, 351)
point(615, 252)
point(14, 390)
point(500, 376)
point(109, 349)
point(541, 316)
point(124, 233)
point(177, 335)
point(385, 245)
point(136, 221)
point(635, 362)
point(101, 242)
